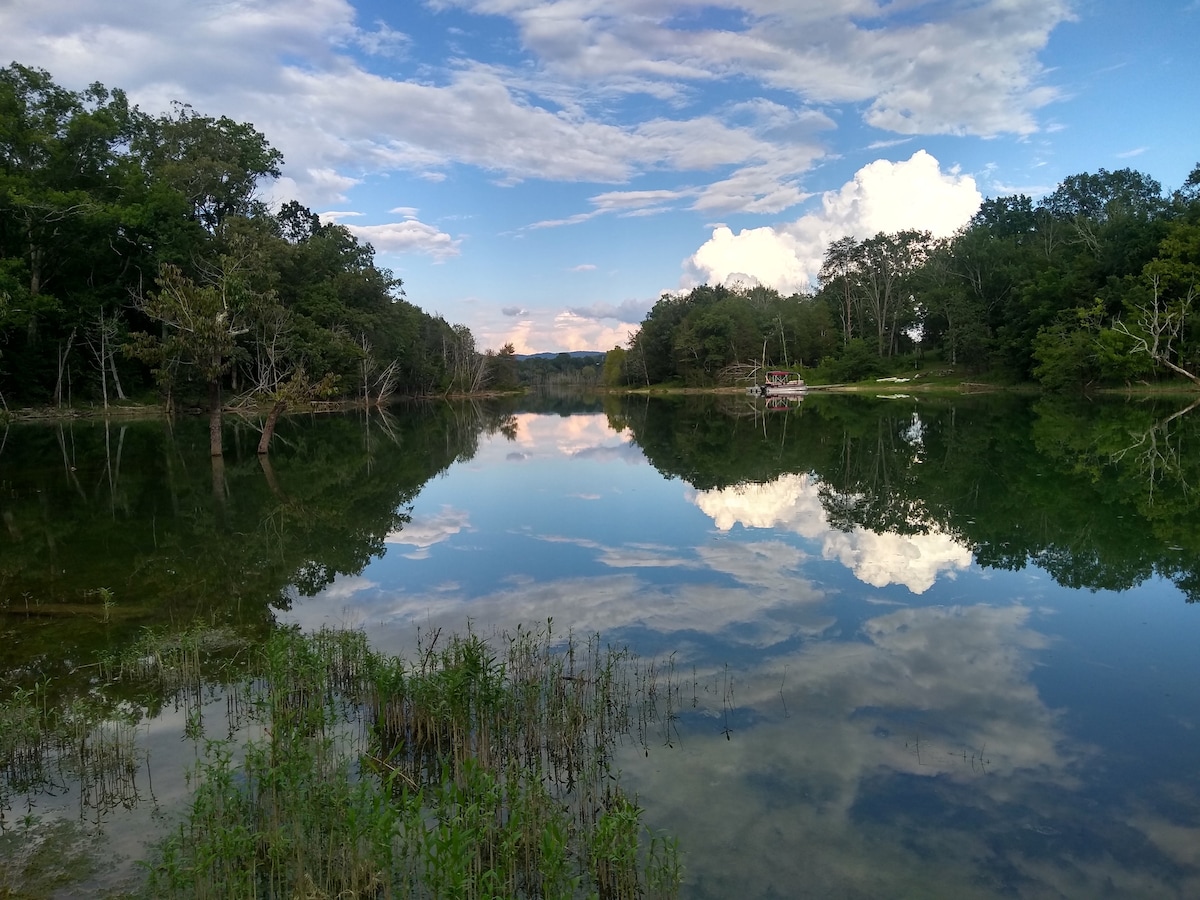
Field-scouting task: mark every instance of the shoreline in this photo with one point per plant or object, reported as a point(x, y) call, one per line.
point(152, 411)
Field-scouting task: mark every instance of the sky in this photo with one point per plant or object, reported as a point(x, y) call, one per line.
point(543, 172)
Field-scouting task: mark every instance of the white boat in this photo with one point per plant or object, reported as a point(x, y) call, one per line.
point(781, 383)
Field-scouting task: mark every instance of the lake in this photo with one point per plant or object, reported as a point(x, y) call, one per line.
point(908, 646)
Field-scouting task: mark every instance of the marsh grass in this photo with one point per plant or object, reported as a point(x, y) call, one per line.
point(481, 769)
point(86, 742)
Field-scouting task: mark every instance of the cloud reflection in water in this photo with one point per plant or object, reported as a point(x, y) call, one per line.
point(791, 503)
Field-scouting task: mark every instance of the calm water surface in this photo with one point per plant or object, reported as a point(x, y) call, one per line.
point(916, 647)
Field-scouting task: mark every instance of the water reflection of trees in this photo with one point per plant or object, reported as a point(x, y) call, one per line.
point(1101, 496)
point(137, 510)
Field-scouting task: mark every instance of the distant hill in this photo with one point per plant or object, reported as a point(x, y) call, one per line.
point(574, 354)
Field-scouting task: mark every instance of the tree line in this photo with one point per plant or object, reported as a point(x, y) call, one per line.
point(1095, 284)
point(137, 261)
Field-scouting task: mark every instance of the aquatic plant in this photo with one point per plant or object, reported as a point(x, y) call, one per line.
point(482, 769)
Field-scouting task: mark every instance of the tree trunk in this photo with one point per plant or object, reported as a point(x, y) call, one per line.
point(112, 361)
point(1179, 370)
point(218, 483)
point(265, 462)
point(264, 444)
point(62, 367)
point(103, 358)
point(214, 417)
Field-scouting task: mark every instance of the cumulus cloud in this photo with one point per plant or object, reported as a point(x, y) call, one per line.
point(773, 257)
point(514, 311)
point(882, 196)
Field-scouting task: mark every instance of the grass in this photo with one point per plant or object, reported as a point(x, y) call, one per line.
point(481, 769)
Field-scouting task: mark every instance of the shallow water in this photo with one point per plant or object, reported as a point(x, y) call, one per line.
point(909, 647)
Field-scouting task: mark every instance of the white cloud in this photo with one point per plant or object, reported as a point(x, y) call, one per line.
point(408, 236)
point(914, 193)
point(913, 67)
point(772, 257)
point(882, 196)
point(917, 69)
point(383, 41)
point(768, 188)
point(598, 327)
point(573, 332)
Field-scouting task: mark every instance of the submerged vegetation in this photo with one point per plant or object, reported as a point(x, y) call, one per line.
point(483, 768)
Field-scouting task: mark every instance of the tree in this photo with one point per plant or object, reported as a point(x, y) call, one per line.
point(838, 274)
point(1160, 324)
point(614, 366)
point(1066, 352)
point(215, 164)
point(297, 388)
point(953, 315)
point(97, 199)
point(885, 280)
point(1011, 216)
point(201, 325)
point(65, 182)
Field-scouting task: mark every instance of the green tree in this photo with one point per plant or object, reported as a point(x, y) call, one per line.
point(1069, 353)
point(504, 376)
point(216, 165)
point(65, 188)
point(838, 280)
point(614, 366)
point(885, 277)
point(201, 325)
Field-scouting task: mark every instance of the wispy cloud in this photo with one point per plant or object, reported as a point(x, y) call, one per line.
point(550, 114)
point(407, 236)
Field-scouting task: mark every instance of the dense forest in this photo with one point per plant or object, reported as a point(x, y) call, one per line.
point(1093, 285)
point(137, 262)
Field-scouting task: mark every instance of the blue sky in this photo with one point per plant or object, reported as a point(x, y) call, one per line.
point(543, 171)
